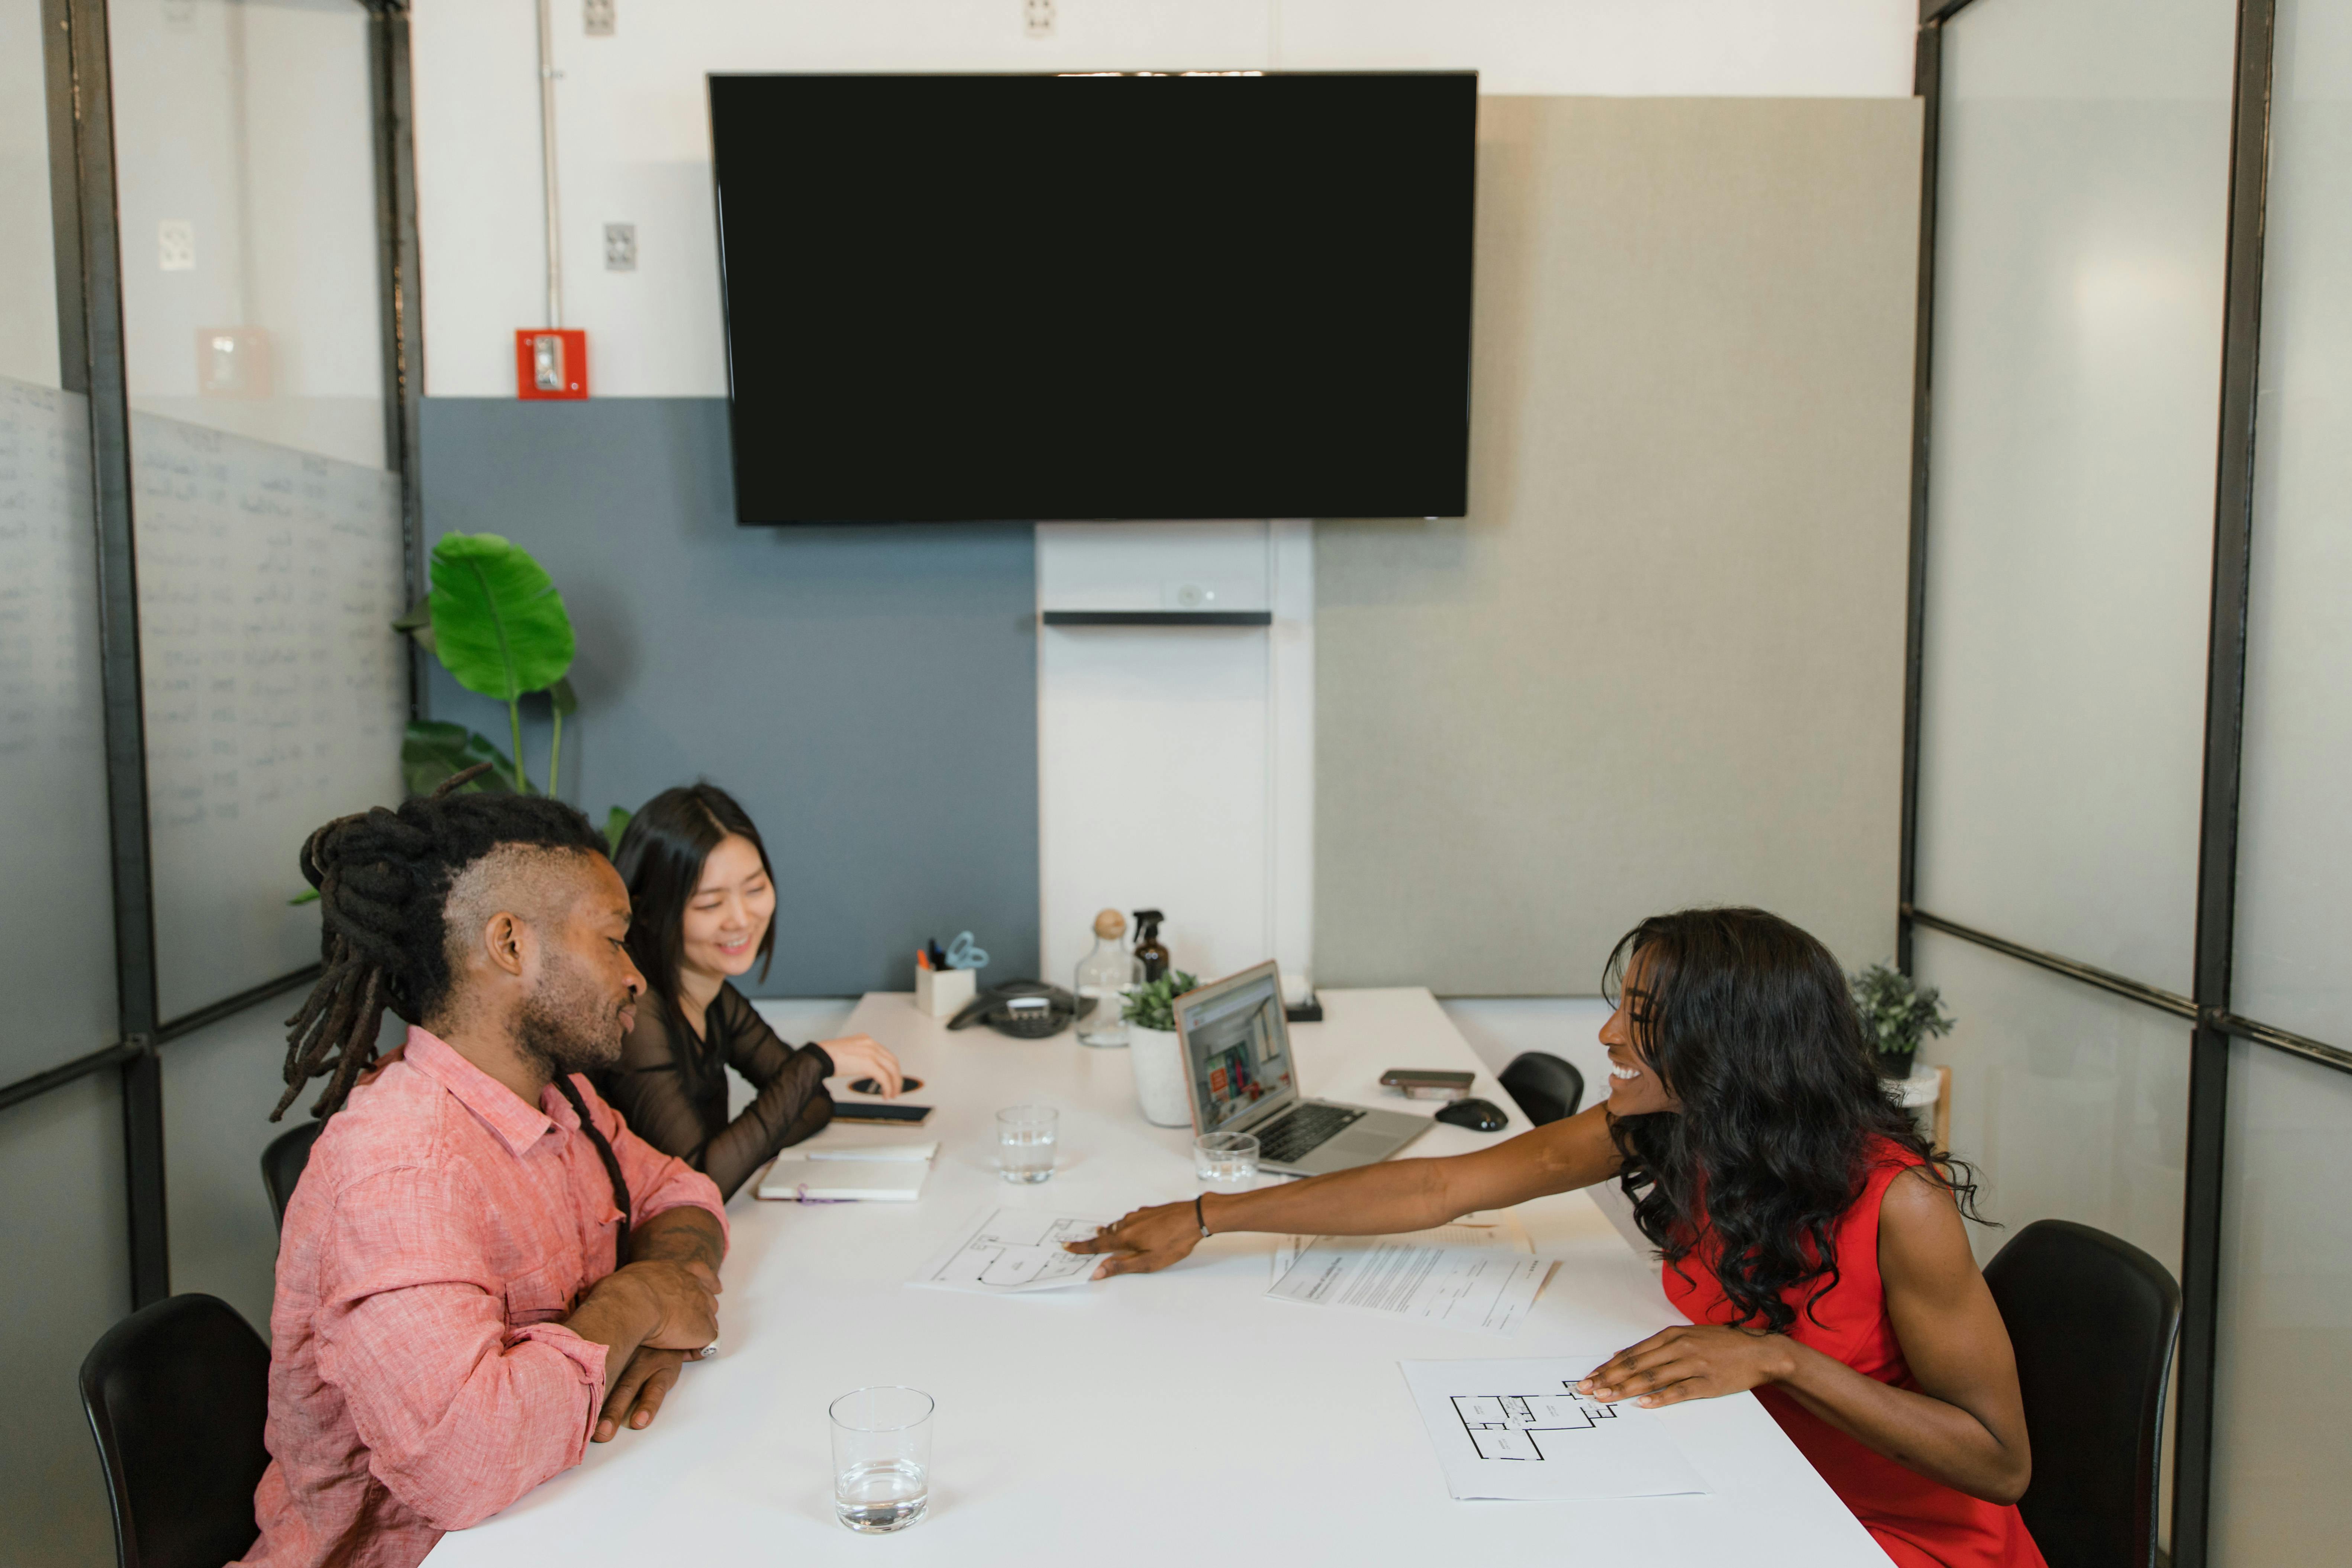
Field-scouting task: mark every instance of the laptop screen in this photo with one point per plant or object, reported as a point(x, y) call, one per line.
point(1238, 1049)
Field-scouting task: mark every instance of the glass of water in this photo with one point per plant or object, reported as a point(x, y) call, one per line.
point(1024, 1143)
point(881, 1458)
point(1225, 1159)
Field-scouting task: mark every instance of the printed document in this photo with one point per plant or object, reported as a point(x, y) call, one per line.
point(1004, 1251)
point(1476, 1274)
point(1519, 1429)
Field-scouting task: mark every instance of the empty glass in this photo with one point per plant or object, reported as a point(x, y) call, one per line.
point(1225, 1159)
point(881, 1458)
point(1024, 1143)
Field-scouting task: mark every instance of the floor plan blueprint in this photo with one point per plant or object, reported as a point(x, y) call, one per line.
point(1519, 1429)
point(1527, 1427)
point(1006, 1251)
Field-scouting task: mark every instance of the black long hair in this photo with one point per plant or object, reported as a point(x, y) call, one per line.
point(383, 879)
point(661, 856)
point(1749, 1023)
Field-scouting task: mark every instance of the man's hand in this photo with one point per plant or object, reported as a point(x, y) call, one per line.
point(637, 1397)
point(679, 1302)
point(1698, 1362)
point(1144, 1242)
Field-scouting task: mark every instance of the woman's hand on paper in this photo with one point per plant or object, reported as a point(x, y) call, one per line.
point(1144, 1241)
point(1695, 1362)
point(862, 1056)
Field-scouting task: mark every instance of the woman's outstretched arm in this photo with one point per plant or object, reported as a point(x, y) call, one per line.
point(1373, 1200)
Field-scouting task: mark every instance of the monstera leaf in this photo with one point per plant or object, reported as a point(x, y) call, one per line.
point(616, 823)
point(499, 624)
point(431, 751)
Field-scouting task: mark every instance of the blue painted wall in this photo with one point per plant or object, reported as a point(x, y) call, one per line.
point(869, 694)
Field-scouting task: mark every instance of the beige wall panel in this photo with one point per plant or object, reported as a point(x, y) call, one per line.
point(1661, 662)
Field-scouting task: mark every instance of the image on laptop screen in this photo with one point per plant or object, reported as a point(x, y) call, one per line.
point(1239, 1054)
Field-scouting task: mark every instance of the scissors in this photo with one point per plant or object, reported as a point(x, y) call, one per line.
point(962, 954)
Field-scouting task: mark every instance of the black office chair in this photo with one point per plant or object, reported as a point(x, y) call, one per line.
point(1548, 1089)
point(2094, 1320)
point(282, 1162)
point(176, 1395)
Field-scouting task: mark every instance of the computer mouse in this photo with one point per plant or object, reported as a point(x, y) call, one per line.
point(1478, 1115)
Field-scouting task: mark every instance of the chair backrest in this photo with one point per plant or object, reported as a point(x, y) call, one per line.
point(2093, 1319)
point(282, 1162)
point(1547, 1088)
point(176, 1396)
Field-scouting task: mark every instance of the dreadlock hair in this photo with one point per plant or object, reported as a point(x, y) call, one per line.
point(383, 879)
point(1749, 1023)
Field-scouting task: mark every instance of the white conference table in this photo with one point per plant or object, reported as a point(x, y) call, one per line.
point(1177, 1418)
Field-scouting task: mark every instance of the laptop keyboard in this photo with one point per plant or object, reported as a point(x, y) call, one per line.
point(1301, 1131)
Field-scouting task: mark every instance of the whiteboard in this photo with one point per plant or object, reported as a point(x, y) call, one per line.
point(275, 689)
point(56, 923)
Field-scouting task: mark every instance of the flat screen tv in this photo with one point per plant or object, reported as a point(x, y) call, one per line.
point(1096, 297)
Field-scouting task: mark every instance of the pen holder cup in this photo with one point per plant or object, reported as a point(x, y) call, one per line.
point(941, 993)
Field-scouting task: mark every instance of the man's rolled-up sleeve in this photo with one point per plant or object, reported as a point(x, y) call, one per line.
point(460, 1414)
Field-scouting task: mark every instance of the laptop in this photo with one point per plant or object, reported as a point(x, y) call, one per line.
point(1238, 1072)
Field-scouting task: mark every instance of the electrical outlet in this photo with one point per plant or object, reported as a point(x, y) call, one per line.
point(597, 17)
point(619, 247)
point(175, 244)
point(1037, 17)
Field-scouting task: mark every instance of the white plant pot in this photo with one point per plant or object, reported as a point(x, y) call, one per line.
point(1158, 1063)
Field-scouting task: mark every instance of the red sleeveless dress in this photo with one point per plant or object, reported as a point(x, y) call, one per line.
point(1917, 1523)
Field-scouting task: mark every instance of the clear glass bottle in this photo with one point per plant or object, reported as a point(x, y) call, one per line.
point(1106, 976)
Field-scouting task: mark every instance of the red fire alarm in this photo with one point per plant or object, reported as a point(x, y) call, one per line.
point(550, 362)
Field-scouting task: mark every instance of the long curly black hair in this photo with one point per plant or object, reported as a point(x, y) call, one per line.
point(383, 880)
point(1749, 1022)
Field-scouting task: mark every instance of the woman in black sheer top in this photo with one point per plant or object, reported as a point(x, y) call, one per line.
point(703, 902)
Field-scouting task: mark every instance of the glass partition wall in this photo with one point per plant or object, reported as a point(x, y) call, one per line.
point(206, 417)
point(2130, 711)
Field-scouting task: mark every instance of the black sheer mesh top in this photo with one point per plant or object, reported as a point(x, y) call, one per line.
point(674, 1092)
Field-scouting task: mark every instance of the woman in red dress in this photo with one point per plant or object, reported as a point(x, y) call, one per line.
point(1813, 1239)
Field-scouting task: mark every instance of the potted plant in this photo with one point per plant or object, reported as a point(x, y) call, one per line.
point(1152, 1048)
point(1897, 1013)
point(498, 624)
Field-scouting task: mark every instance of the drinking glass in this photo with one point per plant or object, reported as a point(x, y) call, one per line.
point(881, 1458)
point(1024, 1143)
point(1225, 1159)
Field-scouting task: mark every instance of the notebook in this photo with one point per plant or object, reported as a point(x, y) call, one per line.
point(835, 1179)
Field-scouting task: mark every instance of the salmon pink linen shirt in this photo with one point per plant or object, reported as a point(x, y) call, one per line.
point(420, 1379)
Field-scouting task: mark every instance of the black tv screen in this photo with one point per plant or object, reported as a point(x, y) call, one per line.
point(1096, 297)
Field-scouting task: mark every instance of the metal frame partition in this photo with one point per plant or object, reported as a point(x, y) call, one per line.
point(2208, 1012)
point(79, 83)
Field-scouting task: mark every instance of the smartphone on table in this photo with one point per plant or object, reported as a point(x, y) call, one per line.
point(885, 1111)
point(1427, 1083)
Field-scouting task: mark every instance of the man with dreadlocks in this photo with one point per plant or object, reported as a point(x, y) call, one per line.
point(482, 1266)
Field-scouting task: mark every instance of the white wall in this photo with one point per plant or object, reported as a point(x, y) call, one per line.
point(632, 137)
point(1176, 766)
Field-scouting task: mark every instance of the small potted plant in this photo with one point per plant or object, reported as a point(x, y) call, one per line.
point(1897, 1013)
point(1153, 1050)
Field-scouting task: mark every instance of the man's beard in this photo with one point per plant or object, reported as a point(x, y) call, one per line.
point(566, 1024)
